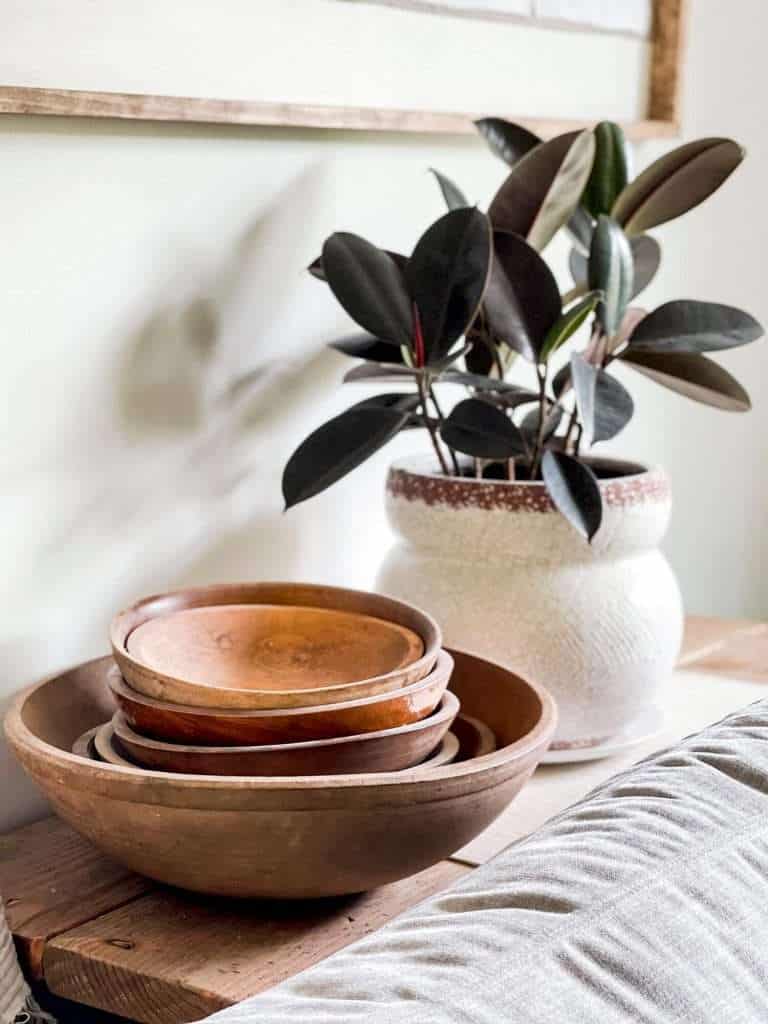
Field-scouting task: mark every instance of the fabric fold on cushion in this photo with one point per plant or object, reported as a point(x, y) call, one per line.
point(644, 902)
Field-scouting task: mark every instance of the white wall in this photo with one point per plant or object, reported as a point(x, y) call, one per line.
point(143, 266)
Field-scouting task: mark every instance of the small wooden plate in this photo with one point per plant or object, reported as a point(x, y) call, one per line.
point(476, 739)
point(175, 723)
point(445, 753)
point(106, 750)
point(83, 745)
point(271, 645)
point(383, 751)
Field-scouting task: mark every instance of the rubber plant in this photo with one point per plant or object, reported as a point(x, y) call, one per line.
point(476, 294)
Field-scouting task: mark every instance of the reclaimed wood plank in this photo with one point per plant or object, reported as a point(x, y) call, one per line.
point(742, 655)
point(706, 634)
point(172, 957)
point(53, 880)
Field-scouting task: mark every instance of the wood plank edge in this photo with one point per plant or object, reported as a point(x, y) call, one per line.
point(18, 100)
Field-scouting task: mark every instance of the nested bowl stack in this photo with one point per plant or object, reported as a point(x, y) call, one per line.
point(261, 646)
point(296, 836)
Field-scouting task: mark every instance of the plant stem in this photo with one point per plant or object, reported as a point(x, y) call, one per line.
point(423, 394)
point(541, 373)
point(441, 420)
point(572, 423)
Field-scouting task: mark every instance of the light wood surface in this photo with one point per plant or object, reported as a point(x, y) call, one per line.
point(255, 646)
point(662, 116)
point(52, 880)
point(386, 751)
point(280, 837)
point(114, 940)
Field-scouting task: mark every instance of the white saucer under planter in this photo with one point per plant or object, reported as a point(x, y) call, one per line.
point(506, 576)
point(648, 724)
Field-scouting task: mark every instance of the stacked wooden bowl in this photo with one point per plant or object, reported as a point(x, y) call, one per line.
point(280, 740)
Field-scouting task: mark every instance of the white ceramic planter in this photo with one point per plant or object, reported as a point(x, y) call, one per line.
point(507, 577)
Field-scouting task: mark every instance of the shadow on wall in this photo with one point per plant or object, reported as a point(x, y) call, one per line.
point(204, 400)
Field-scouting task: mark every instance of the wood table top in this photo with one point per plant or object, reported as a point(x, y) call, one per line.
point(96, 934)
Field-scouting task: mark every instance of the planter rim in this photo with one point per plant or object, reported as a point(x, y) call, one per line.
point(416, 478)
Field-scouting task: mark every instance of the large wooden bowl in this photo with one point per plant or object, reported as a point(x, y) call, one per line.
point(387, 750)
point(297, 837)
point(271, 645)
point(175, 723)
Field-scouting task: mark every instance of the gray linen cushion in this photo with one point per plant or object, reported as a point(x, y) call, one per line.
point(645, 902)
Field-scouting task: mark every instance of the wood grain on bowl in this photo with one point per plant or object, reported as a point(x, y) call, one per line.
point(179, 724)
point(383, 751)
point(270, 648)
point(83, 745)
point(234, 661)
point(279, 837)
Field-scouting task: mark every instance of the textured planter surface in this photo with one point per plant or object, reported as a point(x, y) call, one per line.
point(507, 577)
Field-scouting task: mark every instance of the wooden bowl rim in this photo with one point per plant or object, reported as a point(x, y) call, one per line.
point(269, 592)
point(118, 685)
point(447, 708)
point(423, 786)
point(103, 738)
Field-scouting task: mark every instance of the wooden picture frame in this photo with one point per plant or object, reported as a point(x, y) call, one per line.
point(662, 118)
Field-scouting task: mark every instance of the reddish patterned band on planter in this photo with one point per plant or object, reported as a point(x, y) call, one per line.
point(645, 487)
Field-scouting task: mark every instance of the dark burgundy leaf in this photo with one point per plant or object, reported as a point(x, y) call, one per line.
point(363, 346)
point(605, 406)
point(574, 490)
point(506, 140)
point(690, 374)
point(522, 301)
point(478, 428)
point(690, 326)
point(447, 275)
point(339, 446)
point(452, 194)
point(370, 286)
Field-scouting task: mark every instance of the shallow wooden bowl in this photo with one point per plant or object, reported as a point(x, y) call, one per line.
point(475, 738)
point(105, 748)
point(83, 745)
point(198, 726)
point(279, 837)
point(383, 751)
point(261, 646)
point(443, 754)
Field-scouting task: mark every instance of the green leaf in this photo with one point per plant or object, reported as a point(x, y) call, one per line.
point(568, 324)
point(609, 171)
point(580, 227)
point(605, 406)
point(561, 380)
point(610, 271)
point(690, 326)
point(369, 285)
point(339, 446)
point(574, 491)
point(522, 301)
point(543, 189)
point(646, 258)
point(692, 375)
point(510, 142)
point(452, 194)
point(676, 183)
point(478, 428)
point(364, 346)
point(447, 275)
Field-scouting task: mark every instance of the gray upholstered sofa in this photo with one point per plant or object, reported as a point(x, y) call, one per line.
point(645, 902)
